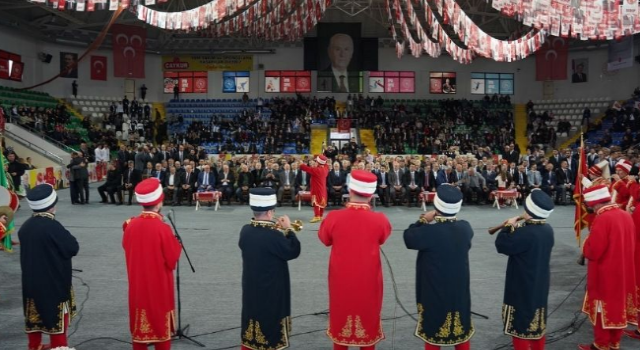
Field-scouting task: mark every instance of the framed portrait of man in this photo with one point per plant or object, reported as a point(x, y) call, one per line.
point(68, 65)
point(579, 68)
point(339, 57)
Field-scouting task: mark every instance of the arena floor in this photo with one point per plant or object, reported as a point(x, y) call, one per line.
point(211, 297)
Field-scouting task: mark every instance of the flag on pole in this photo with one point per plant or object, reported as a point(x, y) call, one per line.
point(7, 243)
point(580, 219)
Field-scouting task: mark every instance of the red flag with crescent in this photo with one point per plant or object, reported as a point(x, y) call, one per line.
point(98, 68)
point(129, 44)
point(552, 59)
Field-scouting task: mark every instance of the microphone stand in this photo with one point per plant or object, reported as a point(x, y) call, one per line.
point(181, 332)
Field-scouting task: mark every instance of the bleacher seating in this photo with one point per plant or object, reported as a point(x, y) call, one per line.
point(571, 109)
point(96, 107)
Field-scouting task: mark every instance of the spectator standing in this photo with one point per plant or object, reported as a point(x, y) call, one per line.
point(74, 88)
point(143, 92)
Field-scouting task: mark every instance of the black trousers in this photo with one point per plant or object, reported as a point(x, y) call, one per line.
point(110, 190)
point(73, 191)
point(82, 186)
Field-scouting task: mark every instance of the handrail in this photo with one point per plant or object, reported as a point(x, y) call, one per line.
point(36, 147)
point(45, 137)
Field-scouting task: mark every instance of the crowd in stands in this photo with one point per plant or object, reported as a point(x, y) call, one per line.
point(131, 122)
point(51, 122)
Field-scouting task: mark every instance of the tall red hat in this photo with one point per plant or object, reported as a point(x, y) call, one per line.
point(624, 165)
point(149, 192)
point(321, 159)
point(600, 169)
point(363, 183)
point(597, 194)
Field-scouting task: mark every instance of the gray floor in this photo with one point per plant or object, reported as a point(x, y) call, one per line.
point(211, 296)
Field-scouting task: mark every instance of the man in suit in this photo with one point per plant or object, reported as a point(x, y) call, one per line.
point(340, 52)
point(171, 184)
point(555, 159)
point(579, 76)
point(256, 175)
point(245, 182)
point(158, 173)
point(489, 174)
point(446, 176)
point(226, 179)
point(161, 155)
point(206, 180)
point(563, 183)
point(111, 186)
point(460, 178)
point(142, 157)
point(428, 179)
point(397, 189)
point(188, 182)
point(383, 185)
point(287, 180)
point(123, 158)
point(270, 177)
point(413, 183)
point(548, 180)
point(130, 178)
point(180, 155)
point(337, 181)
point(511, 155)
point(521, 181)
point(302, 179)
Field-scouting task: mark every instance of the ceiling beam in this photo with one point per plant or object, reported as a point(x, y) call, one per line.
point(62, 14)
point(6, 6)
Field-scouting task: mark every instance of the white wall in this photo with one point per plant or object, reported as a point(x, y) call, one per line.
point(617, 86)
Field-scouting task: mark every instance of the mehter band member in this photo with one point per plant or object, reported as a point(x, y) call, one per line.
point(528, 245)
point(355, 235)
point(443, 294)
point(319, 171)
point(152, 252)
point(266, 247)
point(45, 258)
point(610, 300)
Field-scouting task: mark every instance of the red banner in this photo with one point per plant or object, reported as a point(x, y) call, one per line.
point(552, 60)
point(16, 71)
point(99, 68)
point(344, 125)
point(129, 43)
point(4, 68)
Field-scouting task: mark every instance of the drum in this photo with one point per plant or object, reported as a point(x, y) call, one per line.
point(304, 196)
point(207, 196)
point(427, 197)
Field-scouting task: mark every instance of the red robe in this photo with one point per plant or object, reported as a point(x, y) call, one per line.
point(152, 252)
point(610, 249)
point(620, 193)
point(318, 183)
point(636, 220)
point(355, 273)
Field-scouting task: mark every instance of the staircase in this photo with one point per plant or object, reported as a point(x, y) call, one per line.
point(368, 140)
point(572, 139)
point(520, 123)
point(160, 107)
point(319, 135)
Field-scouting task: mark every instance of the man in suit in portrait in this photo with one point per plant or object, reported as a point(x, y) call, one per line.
point(340, 52)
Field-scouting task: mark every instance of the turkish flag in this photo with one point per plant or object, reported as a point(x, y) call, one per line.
point(16, 71)
point(552, 60)
point(129, 43)
point(98, 68)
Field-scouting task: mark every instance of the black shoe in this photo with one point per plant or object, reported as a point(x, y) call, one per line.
point(178, 204)
point(129, 203)
point(279, 205)
point(104, 202)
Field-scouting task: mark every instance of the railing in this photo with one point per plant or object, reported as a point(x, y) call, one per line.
point(35, 147)
point(45, 137)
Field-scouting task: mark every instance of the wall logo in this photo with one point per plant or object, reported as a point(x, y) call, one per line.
point(176, 64)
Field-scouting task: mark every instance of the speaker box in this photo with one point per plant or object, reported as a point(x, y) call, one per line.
point(260, 66)
point(45, 57)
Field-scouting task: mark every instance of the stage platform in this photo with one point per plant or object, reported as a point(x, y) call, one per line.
point(211, 297)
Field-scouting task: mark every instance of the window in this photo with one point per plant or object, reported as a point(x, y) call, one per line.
point(188, 82)
point(392, 82)
point(492, 83)
point(442, 82)
point(235, 82)
point(287, 81)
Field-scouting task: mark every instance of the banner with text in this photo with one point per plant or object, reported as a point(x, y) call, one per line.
point(194, 63)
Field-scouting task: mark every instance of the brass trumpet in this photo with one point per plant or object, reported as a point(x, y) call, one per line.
point(296, 226)
point(493, 230)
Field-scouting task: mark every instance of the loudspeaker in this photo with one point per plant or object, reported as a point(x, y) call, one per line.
point(45, 57)
point(638, 58)
point(260, 66)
